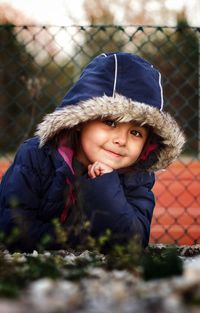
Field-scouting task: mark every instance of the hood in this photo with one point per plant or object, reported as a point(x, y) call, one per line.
point(124, 87)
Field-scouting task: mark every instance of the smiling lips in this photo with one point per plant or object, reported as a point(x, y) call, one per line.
point(113, 153)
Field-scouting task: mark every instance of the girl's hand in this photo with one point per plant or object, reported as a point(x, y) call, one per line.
point(98, 169)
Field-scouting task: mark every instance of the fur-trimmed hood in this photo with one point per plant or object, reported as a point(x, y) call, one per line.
point(126, 88)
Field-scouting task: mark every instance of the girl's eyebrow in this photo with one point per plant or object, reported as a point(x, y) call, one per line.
point(137, 125)
point(146, 127)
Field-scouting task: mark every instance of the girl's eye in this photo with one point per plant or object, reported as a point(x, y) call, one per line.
point(110, 123)
point(136, 133)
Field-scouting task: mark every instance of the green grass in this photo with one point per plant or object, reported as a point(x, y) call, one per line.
point(19, 270)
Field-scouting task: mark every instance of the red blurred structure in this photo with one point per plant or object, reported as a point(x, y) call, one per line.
point(177, 214)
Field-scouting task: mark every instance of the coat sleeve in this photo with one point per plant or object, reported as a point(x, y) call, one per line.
point(21, 205)
point(124, 207)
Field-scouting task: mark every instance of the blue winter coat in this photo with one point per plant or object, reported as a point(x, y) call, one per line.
point(33, 193)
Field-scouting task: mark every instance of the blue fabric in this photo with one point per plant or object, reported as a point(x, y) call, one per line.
point(33, 192)
point(137, 79)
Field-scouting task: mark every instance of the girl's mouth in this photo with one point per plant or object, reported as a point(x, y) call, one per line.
point(113, 153)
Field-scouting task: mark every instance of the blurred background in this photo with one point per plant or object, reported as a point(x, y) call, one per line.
point(44, 45)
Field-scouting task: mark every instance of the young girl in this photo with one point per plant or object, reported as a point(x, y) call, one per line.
point(92, 159)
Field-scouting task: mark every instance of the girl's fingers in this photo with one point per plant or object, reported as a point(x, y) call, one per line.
point(94, 170)
point(91, 171)
point(98, 169)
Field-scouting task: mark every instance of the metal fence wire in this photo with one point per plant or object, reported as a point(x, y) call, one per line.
point(39, 64)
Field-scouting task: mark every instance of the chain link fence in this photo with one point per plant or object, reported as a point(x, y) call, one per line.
point(39, 64)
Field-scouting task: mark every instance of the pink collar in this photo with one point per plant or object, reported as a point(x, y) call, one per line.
point(67, 154)
point(151, 147)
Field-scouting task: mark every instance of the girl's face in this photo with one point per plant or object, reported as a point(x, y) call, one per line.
point(118, 145)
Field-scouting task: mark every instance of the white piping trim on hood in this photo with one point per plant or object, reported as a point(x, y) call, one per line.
point(161, 92)
point(115, 77)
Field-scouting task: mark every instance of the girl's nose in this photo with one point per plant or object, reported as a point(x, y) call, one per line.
point(120, 138)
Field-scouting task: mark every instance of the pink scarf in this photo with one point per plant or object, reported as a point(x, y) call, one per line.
point(67, 154)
